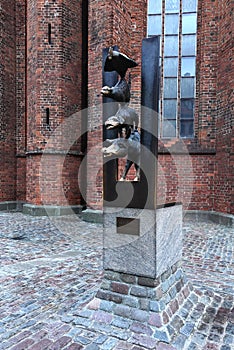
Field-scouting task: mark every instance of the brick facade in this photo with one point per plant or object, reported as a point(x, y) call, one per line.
point(45, 78)
point(224, 200)
point(7, 101)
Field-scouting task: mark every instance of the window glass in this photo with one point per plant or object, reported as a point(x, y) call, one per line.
point(171, 24)
point(187, 87)
point(170, 88)
point(155, 25)
point(188, 45)
point(189, 5)
point(170, 109)
point(186, 108)
point(171, 67)
point(171, 46)
point(169, 128)
point(188, 66)
point(177, 21)
point(154, 6)
point(172, 6)
point(186, 128)
point(189, 23)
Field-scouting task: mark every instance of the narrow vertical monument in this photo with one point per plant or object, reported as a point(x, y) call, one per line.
point(143, 279)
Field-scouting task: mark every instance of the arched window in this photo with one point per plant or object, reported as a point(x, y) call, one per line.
point(176, 23)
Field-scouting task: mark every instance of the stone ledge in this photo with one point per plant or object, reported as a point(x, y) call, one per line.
point(91, 215)
point(51, 210)
point(11, 205)
point(214, 216)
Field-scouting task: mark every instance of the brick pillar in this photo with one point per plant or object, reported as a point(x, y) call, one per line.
point(7, 101)
point(54, 85)
point(225, 109)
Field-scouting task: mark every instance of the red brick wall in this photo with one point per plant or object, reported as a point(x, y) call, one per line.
point(21, 98)
point(127, 30)
point(49, 75)
point(224, 181)
point(54, 82)
point(7, 101)
point(206, 73)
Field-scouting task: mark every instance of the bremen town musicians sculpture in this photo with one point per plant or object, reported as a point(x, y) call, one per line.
point(126, 120)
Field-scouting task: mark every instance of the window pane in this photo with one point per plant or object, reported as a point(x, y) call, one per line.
point(189, 5)
point(188, 45)
point(186, 109)
point(170, 67)
point(189, 23)
point(187, 87)
point(170, 88)
point(170, 109)
point(154, 6)
point(155, 25)
point(171, 24)
point(172, 6)
point(171, 45)
point(169, 128)
point(188, 66)
point(186, 128)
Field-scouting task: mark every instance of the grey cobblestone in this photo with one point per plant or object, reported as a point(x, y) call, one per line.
point(49, 275)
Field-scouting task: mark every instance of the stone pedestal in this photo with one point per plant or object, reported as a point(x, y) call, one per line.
point(142, 242)
point(143, 279)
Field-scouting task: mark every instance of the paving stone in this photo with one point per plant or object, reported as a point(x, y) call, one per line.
point(131, 301)
point(48, 278)
point(155, 306)
point(139, 327)
point(122, 310)
point(128, 278)
point(101, 339)
point(43, 344)
point(155, 320)
point(193, 346)
point(82, 340)
point(24, 345)
point(92, 347)
point(179, 342)
point(228, 339)
point(162, 336)
point(187, 329)
point(138, 291)
point(148, 282)
point(74, 346)
point(199, 339)
point(144, 341)
point(162, 346)
point(61, 343)
point(226, 347)
point(121, 322)
point(139, 315)
point(109, 344)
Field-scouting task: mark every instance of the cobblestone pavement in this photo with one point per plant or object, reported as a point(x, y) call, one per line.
point(51, 268)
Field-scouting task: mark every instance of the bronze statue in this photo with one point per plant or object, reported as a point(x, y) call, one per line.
point(125, 116)
point(118, 62)
point(126, 119)
point(122, 147)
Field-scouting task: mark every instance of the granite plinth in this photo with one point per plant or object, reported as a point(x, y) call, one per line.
point(149, 252)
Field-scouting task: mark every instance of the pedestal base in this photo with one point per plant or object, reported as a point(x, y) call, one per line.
point(155, 303)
